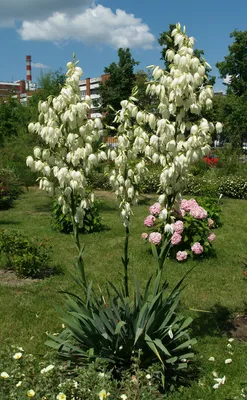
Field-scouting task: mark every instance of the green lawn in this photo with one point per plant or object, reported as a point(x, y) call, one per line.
point(216, 286)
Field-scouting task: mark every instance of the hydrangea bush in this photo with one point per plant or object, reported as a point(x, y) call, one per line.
point(188, 226)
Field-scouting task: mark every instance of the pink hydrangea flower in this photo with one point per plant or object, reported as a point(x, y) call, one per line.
point(187, 205)
point(181, 255)
point(182, 212)
point(211, 237)
point(179, 227)
point(210, 222)
point(176, 238)
point(198, 212)
point(144, 235)
point(149, 221)
point(197, 248)
point(155, 209)
point(155, 237)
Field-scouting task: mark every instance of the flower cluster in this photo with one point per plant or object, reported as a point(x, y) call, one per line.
point(28, 376)
point(168, 137)
point(71, 138)
point(186, 225)
point(129, 168)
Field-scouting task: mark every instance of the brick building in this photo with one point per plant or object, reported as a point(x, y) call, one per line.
point(21, 89)
point(91, 87)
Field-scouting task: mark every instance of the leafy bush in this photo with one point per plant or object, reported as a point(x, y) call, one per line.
point(26, 257)
point(188, 228)
point(10, 188)
point(62, 222)
point(199, 168)
point(112, 328)
point(213, 209)
point(13, 156)
point(229, 161)
point(203, 186)
point(100, 180)
point(234, 186)
point(150, 183)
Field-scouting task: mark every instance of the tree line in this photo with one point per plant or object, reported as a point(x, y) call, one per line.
point(230, 108)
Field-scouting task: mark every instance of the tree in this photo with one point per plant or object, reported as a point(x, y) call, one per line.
point(233, 108)
point(142, 78)
point(234, 67)
point(166, 41)
point(119, 85)
point(14, 118)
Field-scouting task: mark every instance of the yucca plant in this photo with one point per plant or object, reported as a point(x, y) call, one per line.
point(115, 327)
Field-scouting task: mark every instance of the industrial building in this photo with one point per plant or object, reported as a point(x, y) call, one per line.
point(21, 89)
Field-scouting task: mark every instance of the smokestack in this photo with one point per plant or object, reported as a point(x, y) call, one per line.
point(28, 69)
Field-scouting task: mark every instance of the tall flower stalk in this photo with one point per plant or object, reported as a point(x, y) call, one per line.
point(175, 135)
point(70, 153)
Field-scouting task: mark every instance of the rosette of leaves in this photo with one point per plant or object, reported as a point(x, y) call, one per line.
point(112, 328)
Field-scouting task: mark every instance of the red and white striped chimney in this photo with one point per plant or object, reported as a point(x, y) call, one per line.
point(28, 69)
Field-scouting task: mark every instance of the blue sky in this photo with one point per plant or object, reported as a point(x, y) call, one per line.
point(51, 30)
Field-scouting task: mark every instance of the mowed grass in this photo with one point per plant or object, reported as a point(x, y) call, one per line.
point(216, 286)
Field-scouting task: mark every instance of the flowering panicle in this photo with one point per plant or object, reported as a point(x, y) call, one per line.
point(125, 178)
point(166, 136)
point(70, 136)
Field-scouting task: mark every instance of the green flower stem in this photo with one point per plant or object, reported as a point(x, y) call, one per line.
point(125, 261)
point(80, 261)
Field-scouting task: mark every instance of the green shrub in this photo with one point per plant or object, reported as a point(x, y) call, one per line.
point(13, 156)
point(10, 188)
point(151, 181)
point(234, 186)
point(100, 180)
point(203, 186)
point(229, 161)
point(28, 258)
point(199, 168)
point(62, 223)
point(213, 209)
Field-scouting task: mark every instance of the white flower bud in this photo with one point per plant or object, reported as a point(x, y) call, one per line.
point(218, 127)
point(131, 192)
point(31, 127)
point(163, 214)
point(37, 152)
point(139, 117)
point(30, 162)
point(194, 129)
point(69, 65)
point(169, 228)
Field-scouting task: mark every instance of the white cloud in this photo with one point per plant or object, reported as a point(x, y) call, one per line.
point(19, 10)
point(39, 65)
point(97, 25)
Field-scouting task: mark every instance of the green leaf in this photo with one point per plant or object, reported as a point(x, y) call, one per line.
point(119, 327)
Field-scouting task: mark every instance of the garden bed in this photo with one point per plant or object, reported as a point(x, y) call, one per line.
point(215, 291)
